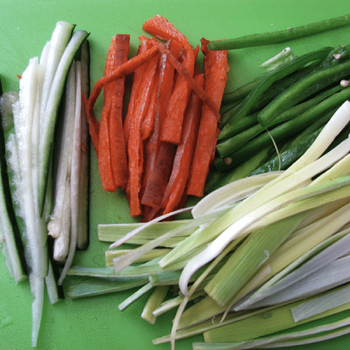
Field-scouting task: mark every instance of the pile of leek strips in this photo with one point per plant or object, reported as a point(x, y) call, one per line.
point(274, 243)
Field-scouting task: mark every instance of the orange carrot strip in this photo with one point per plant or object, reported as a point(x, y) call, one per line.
point(135, 145)
point(119, 162)
point(145, 45)
point(123, 70)
point(148, 120)
point(215, 72)
point(151, 178)
point(160, 27)
point(203, 95)
point(104, 145)
point(184, 154)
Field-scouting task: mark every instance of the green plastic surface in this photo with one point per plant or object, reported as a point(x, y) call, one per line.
point(25, 26)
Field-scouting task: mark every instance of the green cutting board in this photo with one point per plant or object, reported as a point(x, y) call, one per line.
point(25, 26)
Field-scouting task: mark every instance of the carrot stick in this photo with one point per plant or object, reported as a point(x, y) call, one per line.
point(215, 73)
point(175, 189)
point(148, 120)
point(161, 28)
point(104, 146)
point(127, 68)
point(144, 46)
point(116, 133)
point(182, 70)
point(152, 175)
point(135, 145)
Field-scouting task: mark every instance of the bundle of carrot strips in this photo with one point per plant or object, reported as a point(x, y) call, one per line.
point(161, 151)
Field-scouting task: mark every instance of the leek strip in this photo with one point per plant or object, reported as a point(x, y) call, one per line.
point(235, 191)
point(265, 323)
point(236, 229)
point(245, 261)
point(113, 232)
point(138, 294)
point(144, 226)
point(95, 287)
point(325, 278)
point(155, 253)
point(292, 338)
point(277, 282)
point(153, 302)
point(323, 303)
point(129, 258)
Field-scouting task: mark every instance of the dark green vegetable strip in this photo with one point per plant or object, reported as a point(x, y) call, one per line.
point(283, 131)
point(298, 63)
point(233, 143)
point(239, 125)
point(280, 36)
point(305, 87)
point(288, 157)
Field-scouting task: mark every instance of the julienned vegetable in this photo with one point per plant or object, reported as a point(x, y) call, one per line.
point(280, 36)
point(30, 145)
point(165, 165)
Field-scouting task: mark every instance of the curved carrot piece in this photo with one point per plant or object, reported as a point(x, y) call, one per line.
point(175, 189)
point(215, 73)
point(145, 45)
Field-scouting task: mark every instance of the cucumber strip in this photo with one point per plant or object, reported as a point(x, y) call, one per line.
point(51, 109)
point(83, 226)
point(64, 156)
point(50, 57)
point(10, 240)
point(74, 175)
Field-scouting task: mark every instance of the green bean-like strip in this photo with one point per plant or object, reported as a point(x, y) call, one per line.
point(283, 131)
point(278, 74)
point(281, 36)
point(309, 85)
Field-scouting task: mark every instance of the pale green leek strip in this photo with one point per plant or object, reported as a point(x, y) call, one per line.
point(114, 232)
point(234, 191)
point(153, 302)
point(100, 286)
point(295, 248)
point(322, 303)
point(142, 227)
point(275, 320)
point(286, 274)
point(289, 338)
point(133, 297)
point(129, 258)
point(325, 278)
point(155, 253)
point(319, 192)
point(174, 302)
point(245, 261)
